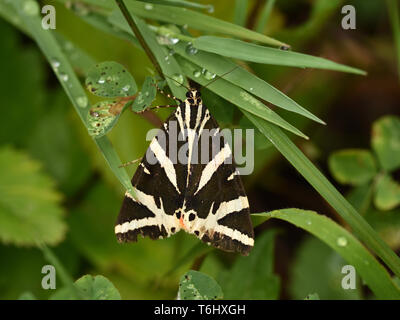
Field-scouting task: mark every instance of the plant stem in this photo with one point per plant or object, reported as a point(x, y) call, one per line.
point(138, 35)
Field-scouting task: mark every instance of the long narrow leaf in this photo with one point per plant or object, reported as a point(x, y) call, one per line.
point(344, 243)
point(264, 16)
point(252, 52)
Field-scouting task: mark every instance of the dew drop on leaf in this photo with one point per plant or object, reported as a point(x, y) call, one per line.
point(178, 79)
point(64, 77)
point(196, 73)
point(148, 6)
point(190, 49)
point(208, 75)
point(341, 242)
point(31, 8)
point(82, 101)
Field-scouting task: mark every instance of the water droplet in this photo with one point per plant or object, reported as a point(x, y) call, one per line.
point(31, 8)
point(64, 77)
point(82, 101)
point(251, 89)
point(190, 49)
point(101, 81)
point(55, 63)
point(167, 40)
point(208, 75)
point(178, 78)
point(284, 48)
point(210, 9)
point(196, 73)
point(126, 88)
point(148, 6)
point(309, 222)
point(341, 241)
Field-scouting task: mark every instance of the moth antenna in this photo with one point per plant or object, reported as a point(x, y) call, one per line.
point(167, 94)
point(221, 76)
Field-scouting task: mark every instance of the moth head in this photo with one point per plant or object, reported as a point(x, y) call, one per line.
point(193, 96)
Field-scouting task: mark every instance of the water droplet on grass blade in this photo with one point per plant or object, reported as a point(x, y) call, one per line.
point(341, 242)
point(208, 75)
point(82, 101)
point(178, 79)
point(55, 63)
point(31, 8)
point(148, 6)
point(64, 77)
point(196, 73)
point(190, 49)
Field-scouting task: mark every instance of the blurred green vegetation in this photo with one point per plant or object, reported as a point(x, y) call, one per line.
point(53, 177)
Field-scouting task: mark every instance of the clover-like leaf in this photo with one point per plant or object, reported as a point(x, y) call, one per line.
point(352, 166)
point(196, 285)
point(30, 211)
point(387, 193)
point(386, 141)
point(89, 288)
point(110, 79)
point(103, 116)
point(145, 96)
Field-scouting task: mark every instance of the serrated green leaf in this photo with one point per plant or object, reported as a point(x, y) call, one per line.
point(196, 285)
point(344, 243)
point(110, 79)
point(247, 51)
point(352, 166)
point(30, 211)
point(387, 193)
point(253, 277)
point(386, 141)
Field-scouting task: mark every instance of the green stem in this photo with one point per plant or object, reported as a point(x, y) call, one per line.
point(393, 11)
point(138, 35)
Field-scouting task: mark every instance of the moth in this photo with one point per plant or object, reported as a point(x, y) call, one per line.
point(204, 198)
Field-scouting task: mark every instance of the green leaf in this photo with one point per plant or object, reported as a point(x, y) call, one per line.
point(111, 80)
point(241, 98)
point(253, 277)
point(344, 243)
point(27, 296)
point(322, 185)
point(312, 296)
point(195, 285)
point(240, 16)
point(199, 21)
point(30, 211)
point(264, 16)
point(104, 115)
point(393, 11)
point(91, 288)
point(221, 66)
point(252, 52)
point(386, 141)
point(361, 197)
point(318, 268)
point(352, 166)
point(387, 193)
point(145, 96)
point(180, 3)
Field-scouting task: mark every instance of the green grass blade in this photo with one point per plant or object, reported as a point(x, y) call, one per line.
point(68, 79)
point(255, 53)
point(243, 79)
point(393, 11)
point(238, 97)
point(181, 3)
point(344, 243)
point(264, 16)
point(199, 21)
point(322, 185)
point(240, 16)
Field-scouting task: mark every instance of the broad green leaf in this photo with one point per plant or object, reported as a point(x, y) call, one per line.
point(195, 285)
point(344, 243)
point(110, 79)
point(145, 96)
point(199, 21)
point(241, 98)
point(312, 296)
point(386, 141)
point(255, 53)
point(30, 211)
point(253, 277)
point(387, 193)
point(91, 288)
point(103, 116)
point(221, 66)
point(352, 166)
point(317, 268)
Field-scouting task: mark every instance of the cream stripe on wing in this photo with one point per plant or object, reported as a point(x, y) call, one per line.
point(213, 165)
point(165, 162)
